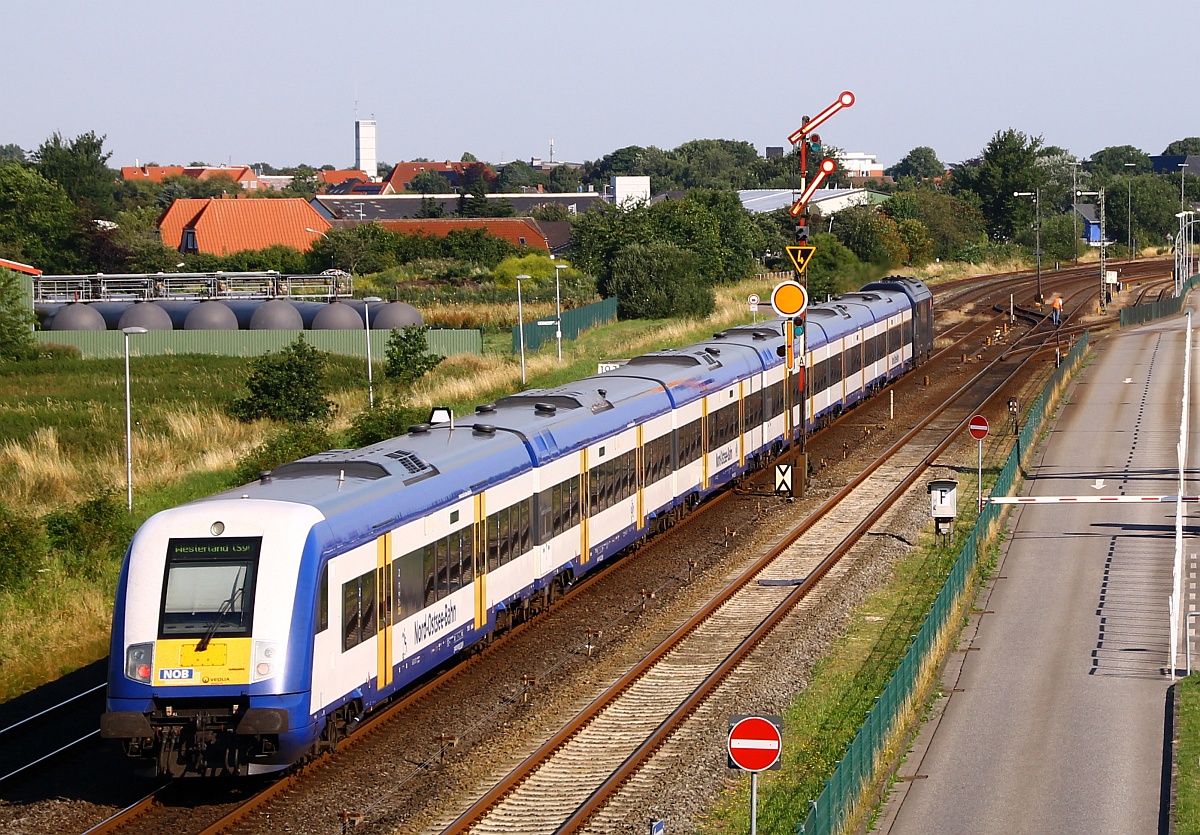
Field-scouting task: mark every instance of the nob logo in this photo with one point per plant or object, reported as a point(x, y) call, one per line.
point(176, 674)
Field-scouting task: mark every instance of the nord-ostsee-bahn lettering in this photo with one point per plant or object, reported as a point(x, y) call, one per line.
point(265, 620)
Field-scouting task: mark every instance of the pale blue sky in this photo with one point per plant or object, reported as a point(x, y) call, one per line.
point(223, 81)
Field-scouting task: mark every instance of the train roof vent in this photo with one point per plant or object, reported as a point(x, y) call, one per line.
point(550, 401)
point(341, 468)
point(674, 356)
point(409, 460)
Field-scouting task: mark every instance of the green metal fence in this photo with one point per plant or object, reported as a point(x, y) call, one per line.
point(574, 322)
point(851, 785)
point(101, 344)
point(1142, 313)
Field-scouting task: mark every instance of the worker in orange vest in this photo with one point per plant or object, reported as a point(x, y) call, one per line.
point(1057, 307)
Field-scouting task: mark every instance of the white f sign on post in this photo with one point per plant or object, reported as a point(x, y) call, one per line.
point(978, 427)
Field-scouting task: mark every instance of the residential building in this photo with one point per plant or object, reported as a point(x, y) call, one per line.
point(243, 175)
point(221, 226)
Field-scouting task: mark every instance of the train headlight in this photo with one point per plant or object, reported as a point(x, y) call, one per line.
point(267, 661)
point(139, 662)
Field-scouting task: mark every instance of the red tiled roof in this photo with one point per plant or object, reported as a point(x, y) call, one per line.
point(403, 173)
point(158, 173)
point(520, 231)
point(332, 178)
point(153, 173)
point(225, 226)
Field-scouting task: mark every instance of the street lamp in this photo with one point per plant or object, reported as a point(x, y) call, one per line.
point(134, 331)
point(521, 324)
point(558, 308)
point(1037, 233)
point(1075, 209)
point(1129, 208)
point(367, 302)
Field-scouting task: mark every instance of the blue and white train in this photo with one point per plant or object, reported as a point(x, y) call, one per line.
point(256, 627)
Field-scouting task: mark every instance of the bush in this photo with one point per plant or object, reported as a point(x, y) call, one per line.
point(293, 443)
point(16, 320)
point(287, 386)
point(23, 549)
point(92, 534)
point(659, 280)
point(408, 356)
point(386, 420)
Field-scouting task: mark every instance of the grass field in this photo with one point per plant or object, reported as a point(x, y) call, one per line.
point(63, 430)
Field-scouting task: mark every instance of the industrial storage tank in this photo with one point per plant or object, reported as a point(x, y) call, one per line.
point(276, 315)
point(243, 310)
point(337, 316)
point(385, 317)
point(309, 311)
point(177, 309)
point(78, 316)
point(210, 316)
point(146, 315)
point(111, 312)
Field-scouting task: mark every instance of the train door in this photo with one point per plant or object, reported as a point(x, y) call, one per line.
point(384, 613)
point(640, 478)
point(704, 444)
point(479, 556)
point(742, 428)
point(585, 507)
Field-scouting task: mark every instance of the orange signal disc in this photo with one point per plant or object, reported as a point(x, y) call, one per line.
point(789, 298)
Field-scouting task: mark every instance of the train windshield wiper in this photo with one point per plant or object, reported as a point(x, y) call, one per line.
point(225, 609)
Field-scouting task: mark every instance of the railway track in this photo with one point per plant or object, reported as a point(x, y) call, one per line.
point(158, 813)
point(568, 779)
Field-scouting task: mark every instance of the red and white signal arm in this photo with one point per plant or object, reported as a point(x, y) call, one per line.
point(755, 742)
point(978, 427)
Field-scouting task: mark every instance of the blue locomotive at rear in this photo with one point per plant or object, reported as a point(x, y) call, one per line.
point(256, 627)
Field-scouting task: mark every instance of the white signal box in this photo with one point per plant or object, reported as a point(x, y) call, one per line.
point(943, 503)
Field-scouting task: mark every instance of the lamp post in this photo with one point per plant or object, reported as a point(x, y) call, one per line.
point(1074, 209)
point(367, 302)
point(1183, 249)
point(134, 331)
point(1036, 194)
point(521, 324)
point(1129, 208)
point(1103, 247)
point(558, 310)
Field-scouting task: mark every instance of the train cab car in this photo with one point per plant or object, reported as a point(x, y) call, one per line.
point(920, 299)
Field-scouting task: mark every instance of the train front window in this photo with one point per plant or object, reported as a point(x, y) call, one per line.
point(209, 587)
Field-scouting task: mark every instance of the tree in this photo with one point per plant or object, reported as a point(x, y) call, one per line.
point(430, 208)
point(429, 182)
point(16, 320)
point(871, 235)
point(1183, 147)
point(468, 157)
point(950, 223)
point(287, 386)
point(659, 280)
point(565, 179)
point(921, 163)
point(408, 358)
point(1008, 164)
point(80, 167)
point(550, 213)
point(304, 181)
point(1110, 161)
point(364, 248)
point(37, 221)
point(11, 153)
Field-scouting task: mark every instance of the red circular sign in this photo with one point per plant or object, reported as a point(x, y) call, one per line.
point(754, 744)
point(978, 427)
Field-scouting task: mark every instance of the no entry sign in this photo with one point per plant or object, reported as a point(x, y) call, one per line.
point(978, 427)
point(755, 743)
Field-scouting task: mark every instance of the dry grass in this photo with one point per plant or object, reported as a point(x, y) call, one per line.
point(484, 316)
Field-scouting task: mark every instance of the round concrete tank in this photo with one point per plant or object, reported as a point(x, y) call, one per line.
point(177, 309)
point(398, 315)
point(337, 316)
point(111, 312)
point(276, 315)
point(145, 315)
point(78, 316)
point(210, 316)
